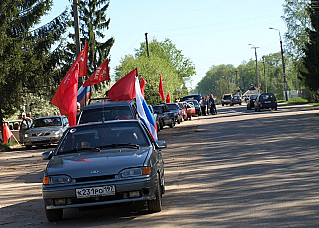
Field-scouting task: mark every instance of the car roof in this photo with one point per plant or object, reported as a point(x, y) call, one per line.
point(108, 104)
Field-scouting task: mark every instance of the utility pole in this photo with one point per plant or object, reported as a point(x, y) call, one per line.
point(283, 65)
point(148, 51)
point(265, 74)
point(77, 32)
point(257, 77)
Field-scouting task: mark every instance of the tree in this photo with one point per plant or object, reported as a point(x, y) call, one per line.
point(297, 20)
point(93, 21)
point(165, 59)
point(310, 74)
point(166, 50)
point(26, 59)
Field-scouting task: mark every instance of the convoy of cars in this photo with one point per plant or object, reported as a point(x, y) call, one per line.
point(111, 157)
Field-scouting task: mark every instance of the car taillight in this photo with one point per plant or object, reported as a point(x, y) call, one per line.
point(259, 103)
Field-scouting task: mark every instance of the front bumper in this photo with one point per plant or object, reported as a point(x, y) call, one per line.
point(145, 186)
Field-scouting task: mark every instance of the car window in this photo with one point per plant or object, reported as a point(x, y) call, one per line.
point(105, 114)
point(47, 122)
point(227, 97)
point(267, 97)
point(103, 135)
point(172, 106)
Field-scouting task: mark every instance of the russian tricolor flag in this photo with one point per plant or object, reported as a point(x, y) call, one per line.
point(144, 111)
point(84, 94)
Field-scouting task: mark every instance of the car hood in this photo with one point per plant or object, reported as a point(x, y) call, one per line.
point(43, 129)
point(106, 162)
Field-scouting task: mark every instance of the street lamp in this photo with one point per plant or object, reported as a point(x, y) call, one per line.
point(283, 64)
point(257, 78)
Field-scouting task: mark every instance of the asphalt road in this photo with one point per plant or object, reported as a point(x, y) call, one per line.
point(239, 168)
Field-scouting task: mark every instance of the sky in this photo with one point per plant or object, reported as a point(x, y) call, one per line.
point(208, 32)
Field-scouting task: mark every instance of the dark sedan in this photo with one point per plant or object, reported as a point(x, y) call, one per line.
point(104, 163)
point(178, 113)
point(165, 115)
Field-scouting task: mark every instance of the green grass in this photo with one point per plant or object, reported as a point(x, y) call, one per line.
point(298, 100)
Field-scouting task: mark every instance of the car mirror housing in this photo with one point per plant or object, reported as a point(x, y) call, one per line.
point(161, 145)
point(47, 155)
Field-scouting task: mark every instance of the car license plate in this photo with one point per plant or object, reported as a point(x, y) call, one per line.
point(267, 102)
point(96, 191)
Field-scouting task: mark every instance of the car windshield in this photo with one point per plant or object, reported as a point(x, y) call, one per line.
point(105, 114)
point(47, 122)
point(267, 97)
point(157, 109)
point(236, 97)
point(97, 137)
point(253, 97)
point(172, 106)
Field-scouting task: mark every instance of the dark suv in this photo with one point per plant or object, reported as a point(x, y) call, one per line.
point(226, 99)
point(109, 110)
point(265, 101)
point(165, 115)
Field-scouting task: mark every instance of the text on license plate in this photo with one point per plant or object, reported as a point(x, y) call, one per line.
point(96, 191)
point(267, 102)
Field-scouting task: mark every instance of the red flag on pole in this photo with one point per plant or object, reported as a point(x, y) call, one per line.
point(82, 59)
point(168, 98)
point(143, 82)
point(102, 73)
point(6, 133)
point(124, 89)
point(65, 98)
point(161, 90)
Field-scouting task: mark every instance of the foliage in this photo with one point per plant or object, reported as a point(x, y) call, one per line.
point(93, 21)
point(26, 59)
point(297, 20)
point(166, 50)
point(223, 79)
point(165, 59)
point(311, 50)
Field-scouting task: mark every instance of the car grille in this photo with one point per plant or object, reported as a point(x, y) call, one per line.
point(40, 134)
point(94, 178)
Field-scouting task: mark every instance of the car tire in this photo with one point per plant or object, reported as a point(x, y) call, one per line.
point(222, 104)
point(156, 204)
point(178, 121)
point(28, 147)
point(190, 118)
point(172, 123)
point(162, 125)
point(255, 109)
point(276, 109)
point(54, 214)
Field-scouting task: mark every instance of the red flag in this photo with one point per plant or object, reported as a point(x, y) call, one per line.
point(143, 82)
point(6, 133)
point(65, 98)
point(82, 59)
point(168, 98)
point(161, 90)
point(102, 73)
point(124, 89)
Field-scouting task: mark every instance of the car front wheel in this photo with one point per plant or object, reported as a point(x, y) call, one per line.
point(54, 214)
point(156, 204)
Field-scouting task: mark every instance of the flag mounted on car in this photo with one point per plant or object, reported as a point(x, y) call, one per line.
point(6, 133)
point(161, 90)
point(143, 110)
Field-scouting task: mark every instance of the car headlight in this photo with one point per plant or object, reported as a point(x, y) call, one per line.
point(56, 133)
point(26, 135)
point(135, 172)
point(59, 179)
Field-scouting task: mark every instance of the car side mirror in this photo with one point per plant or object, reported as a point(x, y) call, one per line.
point(47, 155)
point(161, 145)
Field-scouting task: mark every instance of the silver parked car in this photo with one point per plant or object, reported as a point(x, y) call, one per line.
point(45, 131)
point(104, 163)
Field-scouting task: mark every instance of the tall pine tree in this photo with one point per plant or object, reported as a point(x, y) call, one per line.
point(310, 73)
point(26, 60)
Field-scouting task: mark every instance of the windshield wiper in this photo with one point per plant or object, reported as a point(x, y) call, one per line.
point(75, 150)
point(115, 145)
